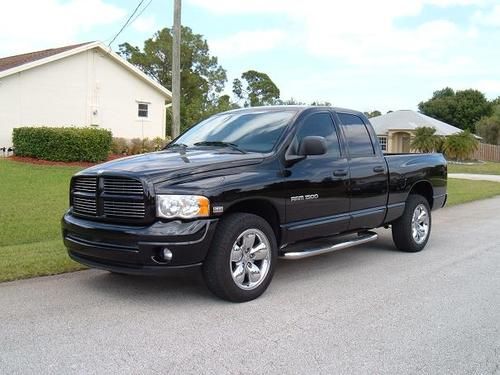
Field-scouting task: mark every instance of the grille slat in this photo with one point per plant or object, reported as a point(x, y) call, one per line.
point(124, 209)
point(85, 206)
point(86, 184)
point(113, 209)
point(122, 186)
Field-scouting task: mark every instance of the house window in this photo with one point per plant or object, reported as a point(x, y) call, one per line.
point(143, 110)
point(383, 143)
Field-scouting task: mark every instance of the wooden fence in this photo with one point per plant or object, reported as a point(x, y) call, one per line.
point(487, 152)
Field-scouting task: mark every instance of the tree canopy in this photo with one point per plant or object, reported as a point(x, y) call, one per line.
point(256, 89)
point(373, 114)
point(461, 108)
point(489, 126)
point(202, 77)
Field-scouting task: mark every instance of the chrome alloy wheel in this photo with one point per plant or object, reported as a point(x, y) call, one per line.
point(420, 224)
point(250, 259)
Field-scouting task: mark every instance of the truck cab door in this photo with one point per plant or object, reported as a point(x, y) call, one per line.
point(317, 186)
point(369, 173)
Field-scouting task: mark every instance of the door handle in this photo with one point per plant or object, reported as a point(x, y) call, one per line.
point(340, 172)
point(378, 169)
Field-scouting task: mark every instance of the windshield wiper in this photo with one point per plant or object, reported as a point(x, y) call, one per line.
point(220, 144)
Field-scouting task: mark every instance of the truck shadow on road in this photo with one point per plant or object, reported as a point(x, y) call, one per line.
point(189, 287)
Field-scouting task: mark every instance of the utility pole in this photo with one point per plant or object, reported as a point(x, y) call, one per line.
point(176, 71)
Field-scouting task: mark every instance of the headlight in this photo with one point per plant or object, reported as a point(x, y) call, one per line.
point(182, 206)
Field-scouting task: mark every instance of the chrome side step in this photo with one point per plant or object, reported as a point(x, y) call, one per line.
point(328, 248)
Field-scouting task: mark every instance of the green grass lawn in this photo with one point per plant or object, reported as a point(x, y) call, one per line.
point(483, 168)
point(33, 198)
point(462, 191)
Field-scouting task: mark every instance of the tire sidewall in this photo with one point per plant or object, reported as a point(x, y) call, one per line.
point(230, 228)
point(414, 202)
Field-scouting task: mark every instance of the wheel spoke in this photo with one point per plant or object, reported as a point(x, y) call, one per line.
point(420, 223)
point(236, 254)
point(248, 241)
point(239, 274)
point(250, 246)
point(259, 252)
point(253, 272)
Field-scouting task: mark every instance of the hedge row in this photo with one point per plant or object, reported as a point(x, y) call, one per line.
point(62, 144)
point(123, 146)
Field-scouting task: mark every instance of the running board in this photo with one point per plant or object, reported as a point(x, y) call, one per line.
point(328, 248)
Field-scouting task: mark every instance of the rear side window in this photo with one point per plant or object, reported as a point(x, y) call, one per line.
point(320, 124)
point(358, 138)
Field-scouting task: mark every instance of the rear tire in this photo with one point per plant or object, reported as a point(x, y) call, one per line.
point(411, 231)
point(241, 261)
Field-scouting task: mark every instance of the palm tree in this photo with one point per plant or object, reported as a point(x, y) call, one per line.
point(459, 146)
point(425, 139)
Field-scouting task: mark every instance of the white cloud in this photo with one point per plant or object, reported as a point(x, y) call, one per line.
point(356, 32)
point(369, 47)
point(327, 7)
point(245, 42)
point(26, 25)
point(488, 18)
point(145, 24)
point(490, 86)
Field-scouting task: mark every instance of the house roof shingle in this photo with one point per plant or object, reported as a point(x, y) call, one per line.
point(25, 58)
point(410, 120)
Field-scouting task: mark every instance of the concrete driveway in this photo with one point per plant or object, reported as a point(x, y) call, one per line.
point(366, 310)
point(472, 176)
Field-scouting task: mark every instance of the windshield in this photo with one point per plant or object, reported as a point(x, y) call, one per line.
point(247, 131)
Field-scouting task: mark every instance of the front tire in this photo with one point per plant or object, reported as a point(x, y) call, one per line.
point(411, 231)
point(240, 264)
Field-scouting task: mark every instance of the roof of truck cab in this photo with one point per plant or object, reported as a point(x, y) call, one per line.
point(298, 108)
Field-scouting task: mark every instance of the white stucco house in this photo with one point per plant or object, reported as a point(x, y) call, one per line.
point(80, 85)
point(396, 129)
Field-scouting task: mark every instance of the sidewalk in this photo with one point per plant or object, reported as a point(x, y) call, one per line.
point(471, 176)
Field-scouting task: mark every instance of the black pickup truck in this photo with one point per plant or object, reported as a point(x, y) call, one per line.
point(245, 187)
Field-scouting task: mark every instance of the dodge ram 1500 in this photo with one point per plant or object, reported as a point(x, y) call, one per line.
point(241, 189)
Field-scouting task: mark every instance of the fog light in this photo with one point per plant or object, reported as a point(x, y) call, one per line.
point(166, 254)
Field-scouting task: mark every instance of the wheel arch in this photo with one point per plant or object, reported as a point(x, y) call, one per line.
point(425, 189)
point(260, 207)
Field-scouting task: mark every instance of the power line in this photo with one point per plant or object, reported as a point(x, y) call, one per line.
point(127, 22)
point(142, 11)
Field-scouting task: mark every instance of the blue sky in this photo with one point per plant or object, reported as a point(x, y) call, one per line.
point(385, 55)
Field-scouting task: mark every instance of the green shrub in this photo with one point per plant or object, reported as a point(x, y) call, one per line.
point(136, 146)
point(425, 139)
point(461, 145)
point(62, 144)
point(119, 146)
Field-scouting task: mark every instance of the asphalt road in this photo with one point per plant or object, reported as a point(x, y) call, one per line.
point(365, 310)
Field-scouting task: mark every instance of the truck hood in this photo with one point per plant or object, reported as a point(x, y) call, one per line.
point(167, 164)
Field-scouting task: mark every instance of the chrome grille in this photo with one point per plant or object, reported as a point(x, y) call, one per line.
point(108, 197)
point(86, 206)
point(122, 186)
point(124, 209)
point(85, 184)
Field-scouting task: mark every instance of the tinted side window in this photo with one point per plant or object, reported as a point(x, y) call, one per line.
point(358, 138)
point(320, 124)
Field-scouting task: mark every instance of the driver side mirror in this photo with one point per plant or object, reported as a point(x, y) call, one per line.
point(312, 145)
